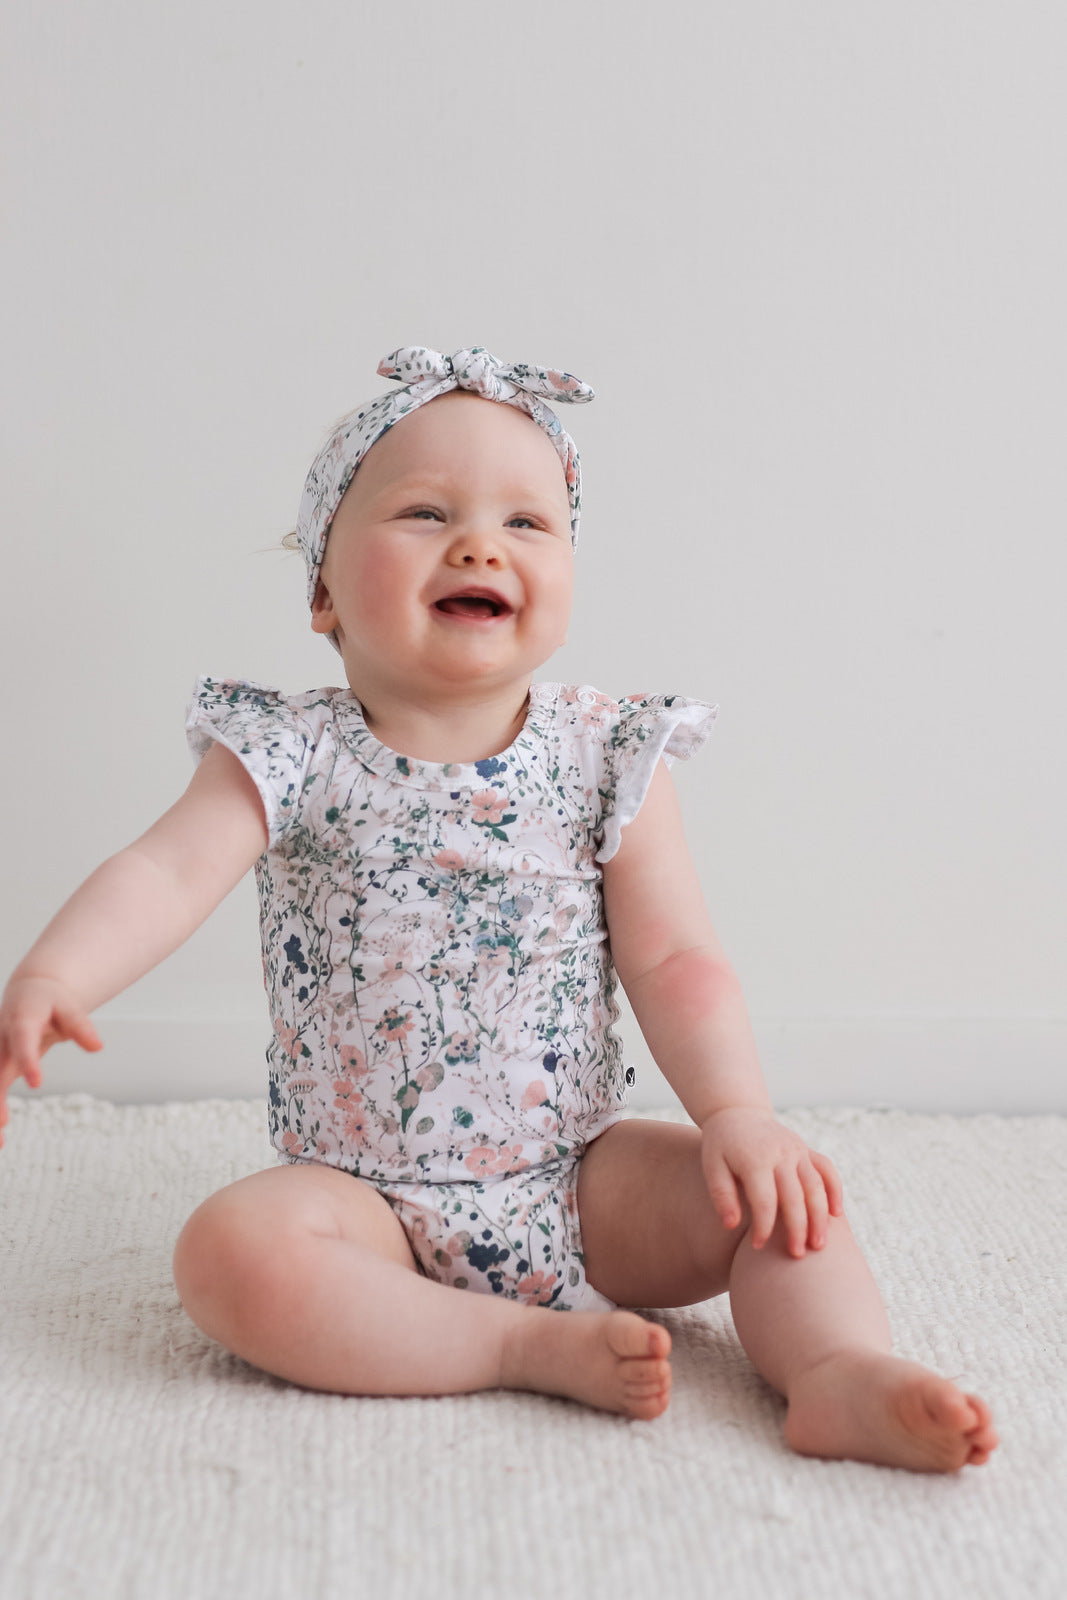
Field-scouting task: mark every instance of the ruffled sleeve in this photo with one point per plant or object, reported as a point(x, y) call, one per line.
point(648, 727)
point(266, 735)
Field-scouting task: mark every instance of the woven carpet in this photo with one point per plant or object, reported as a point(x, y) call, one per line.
point(140, 1459)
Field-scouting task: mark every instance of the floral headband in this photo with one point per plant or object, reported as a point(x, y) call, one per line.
point(426, 374)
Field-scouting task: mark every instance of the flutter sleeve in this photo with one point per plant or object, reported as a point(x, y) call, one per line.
point(264, 732)
point(648, 727)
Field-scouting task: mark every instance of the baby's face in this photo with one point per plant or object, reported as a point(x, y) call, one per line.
point(463, 494)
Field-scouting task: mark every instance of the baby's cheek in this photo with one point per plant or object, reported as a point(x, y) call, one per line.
point(380, 580)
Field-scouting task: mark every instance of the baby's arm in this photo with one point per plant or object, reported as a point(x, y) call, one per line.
point(135, 909)
point(688, 1002)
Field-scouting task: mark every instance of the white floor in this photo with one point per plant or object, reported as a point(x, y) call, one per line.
point(138, 1459)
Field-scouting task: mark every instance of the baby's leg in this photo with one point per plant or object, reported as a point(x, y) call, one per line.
point(816, 1328)
point(305, 1272)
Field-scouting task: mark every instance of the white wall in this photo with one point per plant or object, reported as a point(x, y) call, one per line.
point(812, 257)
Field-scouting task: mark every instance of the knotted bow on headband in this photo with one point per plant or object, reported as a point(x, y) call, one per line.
point(426, 374)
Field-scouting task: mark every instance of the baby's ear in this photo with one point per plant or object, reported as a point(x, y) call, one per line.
point(322, 614)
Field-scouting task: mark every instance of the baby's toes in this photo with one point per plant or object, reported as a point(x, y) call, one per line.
point(983, 1436)
point(647, 1377)
point(946, 1406)
point(983, 1415)
point(632, 1337)
point(647, 1389)
point(940, 1420)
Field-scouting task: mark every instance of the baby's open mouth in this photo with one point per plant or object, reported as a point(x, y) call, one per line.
point(471, 605)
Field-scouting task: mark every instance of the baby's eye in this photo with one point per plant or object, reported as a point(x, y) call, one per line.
point(529, 521)
point(423, 511)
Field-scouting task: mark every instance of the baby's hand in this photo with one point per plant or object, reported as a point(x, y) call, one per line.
point(35, 1014)
point(748, 1146)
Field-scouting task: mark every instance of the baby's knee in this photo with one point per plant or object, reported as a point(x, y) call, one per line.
point(219, 1256)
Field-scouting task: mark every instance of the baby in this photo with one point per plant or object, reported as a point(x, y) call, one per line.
point(455, 866)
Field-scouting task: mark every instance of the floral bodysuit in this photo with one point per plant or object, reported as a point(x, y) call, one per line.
point(437, 961)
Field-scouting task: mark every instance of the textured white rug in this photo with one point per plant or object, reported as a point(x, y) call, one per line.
point(139, 1459)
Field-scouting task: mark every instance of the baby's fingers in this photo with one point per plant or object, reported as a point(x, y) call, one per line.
point(835, 1193)
point(723, 1192)
point(794, 1205)
point(763, 1203)
point(815, 1200)
point(21, 1051)
point(70, 1022)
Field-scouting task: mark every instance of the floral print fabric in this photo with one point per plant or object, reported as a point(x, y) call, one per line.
point(518, 1236)
point(434, 945)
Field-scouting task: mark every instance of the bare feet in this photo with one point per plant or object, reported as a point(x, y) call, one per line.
point(613, 1360)
point(866, 1406)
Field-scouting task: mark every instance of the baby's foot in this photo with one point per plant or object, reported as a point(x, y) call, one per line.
point(614, 1360)
point(871, 1407)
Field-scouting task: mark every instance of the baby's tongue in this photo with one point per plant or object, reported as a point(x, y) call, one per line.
point(466, 605)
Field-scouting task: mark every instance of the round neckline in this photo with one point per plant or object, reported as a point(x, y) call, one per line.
point(398, 768)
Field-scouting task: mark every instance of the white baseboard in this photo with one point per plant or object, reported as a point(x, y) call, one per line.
point(1012, 1066)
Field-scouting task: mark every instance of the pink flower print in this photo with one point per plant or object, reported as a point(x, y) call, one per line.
point(461, 1047)
point(345, 1093)
point(458, 1244)
point(535, 1094)
point(489, 806)
point(292, 1145)
point(487, 1162)
point(394, 1023)
point(594, 703)
point(537, 1288)
point(409, 1099)
point(482, 1162)
point(355, 1063)
point(286, 1037)
point(448, 860)
point(511, 1159)
point(354, 1123)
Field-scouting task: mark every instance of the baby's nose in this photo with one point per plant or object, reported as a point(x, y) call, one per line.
point(473, 544)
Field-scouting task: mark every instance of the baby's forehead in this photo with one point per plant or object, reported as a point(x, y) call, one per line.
point(455, 428)
point(459, 410)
